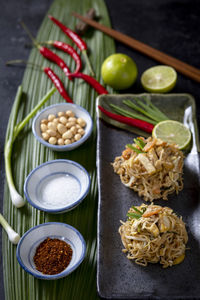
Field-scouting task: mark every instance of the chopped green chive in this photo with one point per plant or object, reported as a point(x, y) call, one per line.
point(137, 210)
point(139, 143)
point(134, 149)
point(134, 216)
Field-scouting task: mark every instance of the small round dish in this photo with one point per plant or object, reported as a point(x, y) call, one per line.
point(79, 112)
point(28, 243)
point(57, 186)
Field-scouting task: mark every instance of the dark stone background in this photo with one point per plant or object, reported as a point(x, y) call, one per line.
point(171, 26)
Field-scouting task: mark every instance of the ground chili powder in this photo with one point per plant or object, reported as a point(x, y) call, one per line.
point(52, 256)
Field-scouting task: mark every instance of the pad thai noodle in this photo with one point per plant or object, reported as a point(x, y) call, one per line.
point(154, 234)
point(151, 167)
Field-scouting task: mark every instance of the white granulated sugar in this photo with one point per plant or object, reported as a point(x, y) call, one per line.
point(59, 190)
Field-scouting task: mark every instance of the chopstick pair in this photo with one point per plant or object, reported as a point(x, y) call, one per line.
point(161, 57)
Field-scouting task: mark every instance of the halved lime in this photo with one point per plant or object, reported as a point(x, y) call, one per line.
point(159, 79)
point(173, 132)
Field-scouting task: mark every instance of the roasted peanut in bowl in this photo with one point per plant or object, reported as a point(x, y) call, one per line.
point(62, 127)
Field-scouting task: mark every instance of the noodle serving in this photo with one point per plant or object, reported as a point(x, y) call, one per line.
point(154, 234)
point(151, 167)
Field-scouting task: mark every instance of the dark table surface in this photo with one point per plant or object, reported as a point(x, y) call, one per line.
point(171, 26)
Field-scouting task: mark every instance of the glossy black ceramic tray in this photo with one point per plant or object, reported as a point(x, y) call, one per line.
point(118, 277)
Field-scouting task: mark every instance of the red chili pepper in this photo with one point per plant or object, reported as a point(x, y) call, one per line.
point(71, 34)
point(93, 82)
point(47, 53)
point(58, 84)
point(145, 126)
point(75, 38)
point(70, 50)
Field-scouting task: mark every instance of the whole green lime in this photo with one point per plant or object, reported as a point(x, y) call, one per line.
point(119, 71)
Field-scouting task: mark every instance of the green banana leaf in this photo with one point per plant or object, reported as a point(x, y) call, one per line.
point(28, 153)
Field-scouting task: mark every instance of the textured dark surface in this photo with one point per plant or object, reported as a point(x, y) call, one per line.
point(171, 26)
point(13, 41)
point(118, 277)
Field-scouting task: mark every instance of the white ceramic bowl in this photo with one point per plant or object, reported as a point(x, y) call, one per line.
point(79, 111)
point(33, 237)
point(57, 186)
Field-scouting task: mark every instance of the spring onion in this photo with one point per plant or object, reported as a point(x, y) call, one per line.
point(138, 213)
point(12, 235)
point(137, 210)
point(128, 113)
point(134, 148)
point(139, 143)
point(11, 135)
point(155, 108)
point(148, 109)
point(143, 110)
point(134, 216)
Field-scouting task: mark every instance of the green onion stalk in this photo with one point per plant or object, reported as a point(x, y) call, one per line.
point(11, 136)
point(138, 214)
point(146, 112)
point(13, 236)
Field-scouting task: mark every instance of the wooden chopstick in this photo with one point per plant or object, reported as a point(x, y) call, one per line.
point(161, 57)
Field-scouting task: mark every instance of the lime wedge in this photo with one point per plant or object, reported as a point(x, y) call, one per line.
point(159, 79)
point(172, 132)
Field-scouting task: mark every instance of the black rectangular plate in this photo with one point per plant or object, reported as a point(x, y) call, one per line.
point(118, 277)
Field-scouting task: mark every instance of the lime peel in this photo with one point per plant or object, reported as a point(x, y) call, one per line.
point(173, 132)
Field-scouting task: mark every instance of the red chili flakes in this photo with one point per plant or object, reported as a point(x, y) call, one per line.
point(52, 256)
